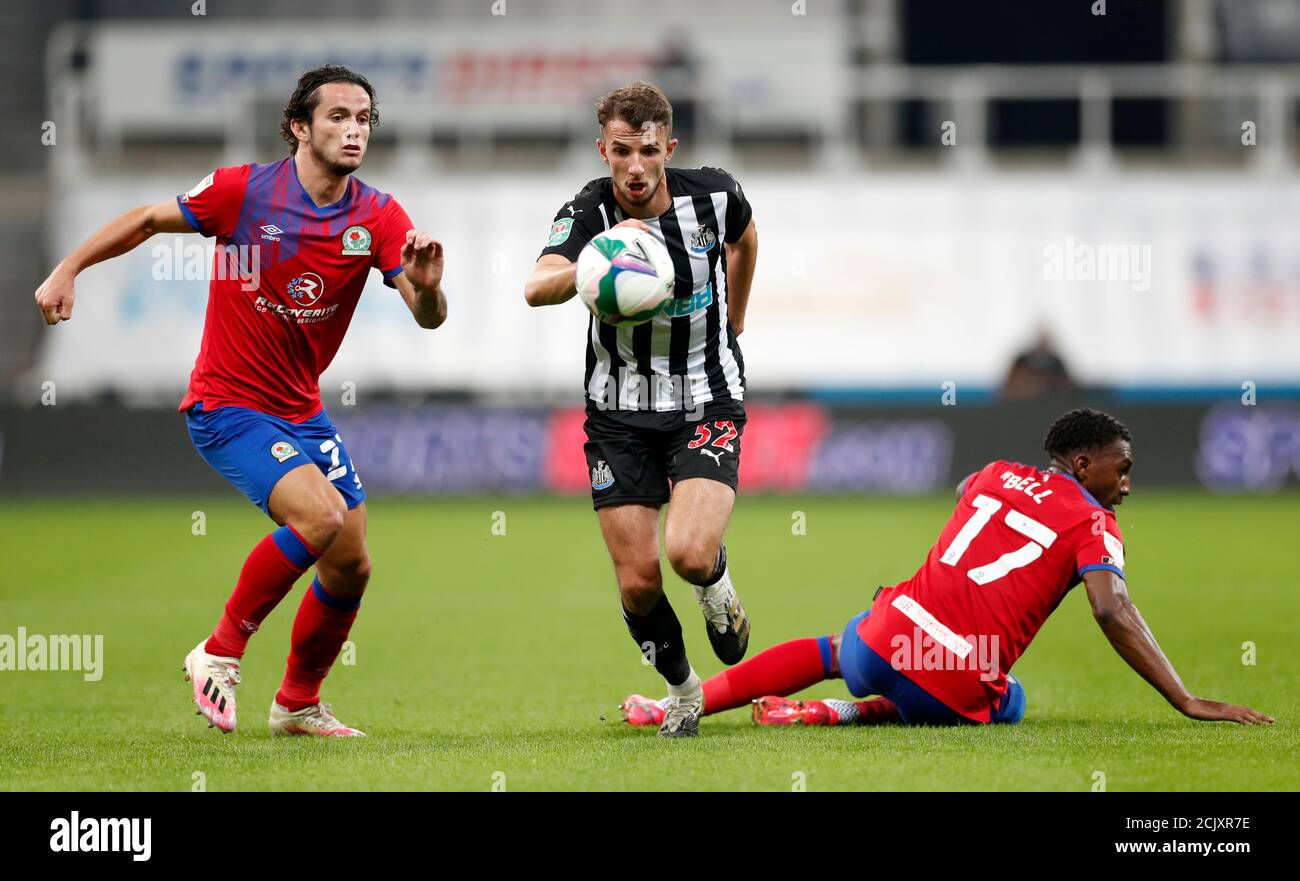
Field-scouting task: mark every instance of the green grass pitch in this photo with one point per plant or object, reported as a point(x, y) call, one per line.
point(485, 659)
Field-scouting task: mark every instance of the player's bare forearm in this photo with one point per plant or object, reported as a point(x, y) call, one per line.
point(113, 239)
point(420, 281)
point(1133, 640)
point(125, 233)
point(55, 297)
point(554, 280)
point(427, 302)
point(742, 256)
point(430, 307)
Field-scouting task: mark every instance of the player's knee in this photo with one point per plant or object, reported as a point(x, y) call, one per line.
point(321, 523)
point(331, 518)
point(640, 588)
point(693, 559)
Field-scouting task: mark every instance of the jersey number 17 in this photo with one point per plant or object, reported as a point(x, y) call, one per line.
point(985, 507)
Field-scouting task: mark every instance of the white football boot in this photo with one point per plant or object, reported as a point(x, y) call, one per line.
point(314, 721)
point(213, 679)
point(682, 716)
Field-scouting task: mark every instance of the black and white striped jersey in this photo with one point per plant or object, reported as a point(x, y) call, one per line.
point(688, 354)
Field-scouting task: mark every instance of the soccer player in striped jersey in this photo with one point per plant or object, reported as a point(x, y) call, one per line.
point(305, 234)
point(939, 647)
point(665, 399)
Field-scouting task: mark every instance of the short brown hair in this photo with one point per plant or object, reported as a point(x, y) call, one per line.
point(303, 101)
point(636, 104)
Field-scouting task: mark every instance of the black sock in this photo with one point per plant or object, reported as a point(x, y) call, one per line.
point(663, 632)
point(719, 568)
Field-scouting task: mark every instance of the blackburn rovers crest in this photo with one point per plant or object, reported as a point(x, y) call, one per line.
point(356, 241)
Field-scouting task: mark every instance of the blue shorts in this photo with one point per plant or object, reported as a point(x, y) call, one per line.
point(866, 673)
point(254, 450)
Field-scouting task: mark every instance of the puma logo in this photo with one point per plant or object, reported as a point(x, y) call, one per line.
point(717, 457)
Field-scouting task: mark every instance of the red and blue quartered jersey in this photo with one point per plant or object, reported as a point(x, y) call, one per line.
point(1019, 539)
point(286, 279)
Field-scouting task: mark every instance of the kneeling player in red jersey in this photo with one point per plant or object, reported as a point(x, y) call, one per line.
point(938, 648)
point(301, 235)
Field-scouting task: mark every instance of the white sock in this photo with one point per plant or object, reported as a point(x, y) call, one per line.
point(689, 688)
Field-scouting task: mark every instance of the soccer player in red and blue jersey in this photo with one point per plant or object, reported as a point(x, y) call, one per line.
point(939, 647)
point(296, 240)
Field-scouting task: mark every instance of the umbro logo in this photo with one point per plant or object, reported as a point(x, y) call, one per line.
point(271, 232)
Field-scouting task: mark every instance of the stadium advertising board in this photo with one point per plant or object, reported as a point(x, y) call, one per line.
point(791, 447)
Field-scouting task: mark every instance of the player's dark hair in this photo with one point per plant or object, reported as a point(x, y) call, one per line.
point(303, 101)
point(1083, 429)
point(636, 104)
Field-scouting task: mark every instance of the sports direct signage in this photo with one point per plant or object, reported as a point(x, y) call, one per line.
point(522, 71)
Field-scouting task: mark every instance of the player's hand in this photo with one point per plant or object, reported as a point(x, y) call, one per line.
point(633, 222)
point(422, 260)
point(1216, 711)
point(55, 297)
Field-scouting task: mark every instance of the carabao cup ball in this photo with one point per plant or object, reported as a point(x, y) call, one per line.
point(625, 276)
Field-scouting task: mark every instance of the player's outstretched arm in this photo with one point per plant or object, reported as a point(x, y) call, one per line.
point(420, 281)
point(555, 278)
point(57, 293)
point(1128, 633)
point(742, 255)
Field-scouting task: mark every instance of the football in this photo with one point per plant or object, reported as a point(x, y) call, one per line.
point(625, 276)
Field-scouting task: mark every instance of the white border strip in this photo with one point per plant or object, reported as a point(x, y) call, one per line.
point(932, 626)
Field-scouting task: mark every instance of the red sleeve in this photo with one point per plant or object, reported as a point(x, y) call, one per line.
point(1101, 546)
point(213, 206)
point(390, 236)
point(969, 484)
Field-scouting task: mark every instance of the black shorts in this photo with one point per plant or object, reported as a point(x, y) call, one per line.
point(634, 457)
